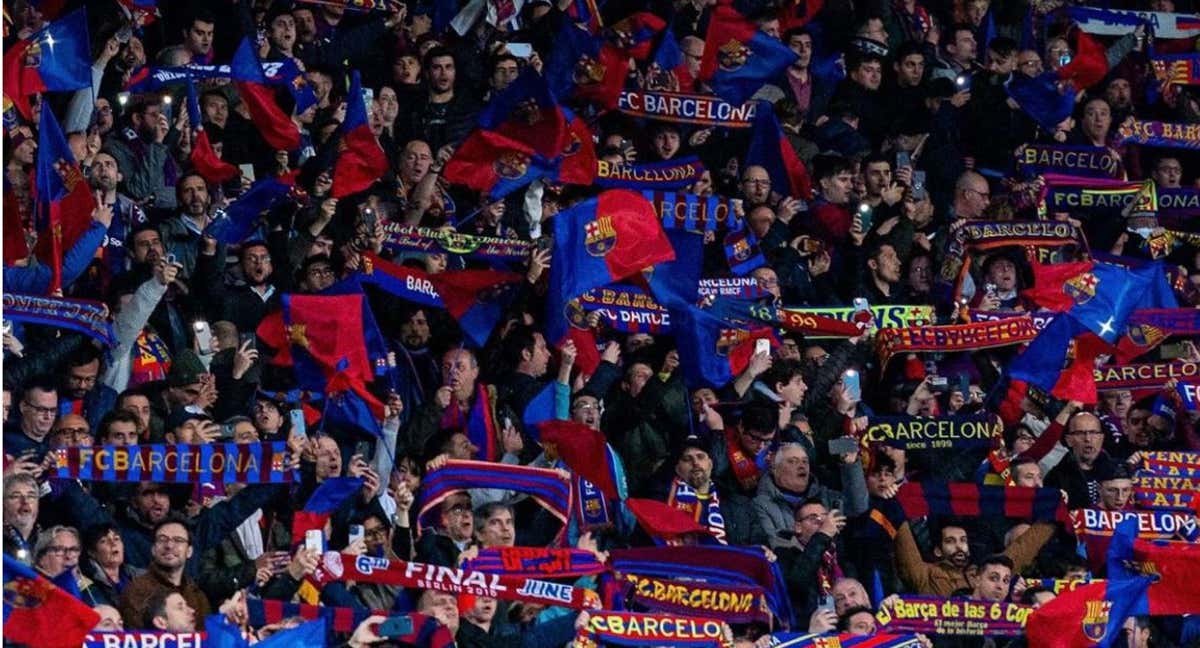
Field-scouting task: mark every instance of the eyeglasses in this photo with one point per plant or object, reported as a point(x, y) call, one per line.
point(59, 549)
point(175, 540)
point(815, 518)
point(43, 411)
point(583, 407)
point(1091, 433)
point(21, 497)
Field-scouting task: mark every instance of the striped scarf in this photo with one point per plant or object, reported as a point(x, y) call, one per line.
point(704, 509)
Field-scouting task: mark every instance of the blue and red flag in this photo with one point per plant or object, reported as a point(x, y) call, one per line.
point(798, 13)
point(399, 281)
point(730, 346)
point(771, 150)
point(1090, 616)
point(581, 447)
point(320, 335)
point(540, 409)
point(586, 67)
point(496, 165)
point(1088, 66)
point(527, 112)
point(361, 160)
point(204, 158)
point(40, 615)
point(1060, 360)
point(738, 58)
point(634, 34)
point(64, 202)
point(275, 126)
point(607, 238)
point(144, 12)
point(238, 220)
point(577, 164)
point(669, 58)
point(325, 500)
point(585, 13)
point(350, 406)
point(1042, 98)
point(1175, 565)
point(743, 252)
point(219, 633)
point(477, 299)
point(543, 485)
point(596, 242)
point(55, 58)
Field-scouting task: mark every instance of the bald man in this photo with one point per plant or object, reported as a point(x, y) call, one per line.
point(971, 196)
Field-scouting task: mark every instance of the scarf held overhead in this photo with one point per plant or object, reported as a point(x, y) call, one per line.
point(955, 337)
point(87, 317)
point(943, 616)
point(931, 433)
point(246, 463)
point(728, 603)
point(682, 108)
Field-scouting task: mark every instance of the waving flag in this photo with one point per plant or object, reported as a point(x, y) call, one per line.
point(349, 406)
point(730, 346)
point(219, 633)
point(477, 299)
point(738, 58)
point(361, 161)
point(64, 202)
point(634, 34)
point(204, 158)
point(771, 149)
point(669, 58)
point(586, 13)
point(1090, 616)
point(40, 615)
point(585, 67)
point(275, 126)
point(608, 238)
point(578, 162)
point(1060, 360)
point(1175, 566)
point(325, 500)
point(497, 165)
point(320, 335)
point(1088, 66)
point(399, 281)
point(1041, 98)
point(526, 111)
point(581, 447)
point(240, 218)
point(798, 13)
point(56, 58)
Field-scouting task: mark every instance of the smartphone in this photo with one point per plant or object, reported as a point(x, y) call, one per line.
point(861, 305)
point(173, 260)
point(368, 217)
point(299, 426)
point(843, 445)
point(964, 385)
point(368, 96)
point(864, 215)
point(930, 368)
point(545, 243)
point(520, 50)
point(918, 185)
point(7, 326)
point(762, 345)
point(939, 384)
point(903, 159)
point(363, 449)
point(1064, 60)
point(314, 540)
point(826, 602)
point(852, 384)
point(962, 82)
point(356, 532)
point(250, 338)
point(247, 171)
point(507, 422)
point(812, 246)
point(990, 289)
point(204, 337)
point(397, 626)
point(166, 107)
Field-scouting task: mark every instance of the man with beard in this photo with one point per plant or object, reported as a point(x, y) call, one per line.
point(127, 214)
point(170, 552)
point(418, 366)
point(245, 304)
point(691, 488)
point(447, 113)
point(953, 554)
point(82, 392)
point(21, 506)
point(460, 405)
point(182, 233)
point(143, 153)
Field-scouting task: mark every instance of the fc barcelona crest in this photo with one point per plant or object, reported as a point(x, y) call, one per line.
point(511, 165)
point(600, 236)
point(588, 71)
point(1081, 288)
point(26, 593)
point(528, 112)
point(730, 338)
point(1095, 620)
point(732, 55)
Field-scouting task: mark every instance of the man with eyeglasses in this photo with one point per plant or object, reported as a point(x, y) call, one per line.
point(791, 477)
point(808, 554)
point(316, 274)
point(170, 552)
point(246, 304)
point(1077, 472)
point(455, 531)
point(1029, 62)
point(971, 197)
point(21, 505)
point(58, 551)
point(39, 410)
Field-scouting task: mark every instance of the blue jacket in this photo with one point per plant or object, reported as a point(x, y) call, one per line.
point(35, 279)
